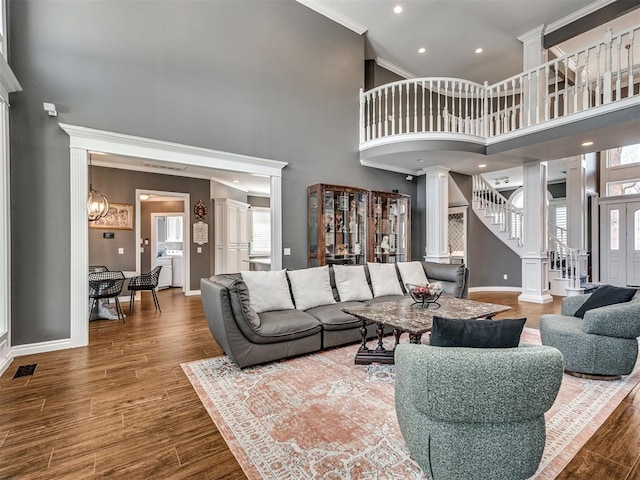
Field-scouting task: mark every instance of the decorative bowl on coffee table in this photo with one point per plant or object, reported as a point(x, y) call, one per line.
point(425, 295)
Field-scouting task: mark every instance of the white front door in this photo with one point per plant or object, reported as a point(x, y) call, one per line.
point(633, 244)
point(614, 269)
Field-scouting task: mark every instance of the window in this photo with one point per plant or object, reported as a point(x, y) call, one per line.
point(260, 231)
point(614, 225)
point(626, 187)
point(624, 156)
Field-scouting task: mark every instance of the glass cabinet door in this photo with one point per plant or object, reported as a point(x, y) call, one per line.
point(391, 228)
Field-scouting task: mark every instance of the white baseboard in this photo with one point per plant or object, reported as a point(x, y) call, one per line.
point(192, 293)
point(4, 363)
point(42, 347)
point(495, 289)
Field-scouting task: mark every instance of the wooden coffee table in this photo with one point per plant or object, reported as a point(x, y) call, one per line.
point(407, 316)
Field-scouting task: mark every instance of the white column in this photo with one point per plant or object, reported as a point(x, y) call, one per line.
point(535, 261)
point(533, 54)
point(576, 202)
point(78, 192)
point(5, 242)
point(437, 215)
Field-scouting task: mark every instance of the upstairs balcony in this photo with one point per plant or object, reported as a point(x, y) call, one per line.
point(543, 113)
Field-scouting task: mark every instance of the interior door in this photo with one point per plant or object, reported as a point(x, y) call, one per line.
point(614, 244)
point(633, 244)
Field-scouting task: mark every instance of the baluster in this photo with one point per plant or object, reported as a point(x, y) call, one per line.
point(373, 114)
point(491, 129)
point(566, 87)
point(386, 111)
point(555, 100)
point(393, 110)
point(362, 123)
point(431, 105)
point(423, 112)
point(367, 117)
point(575, 84)
point(446, 105)
point(400, 108)
point(474, 97)
point(630, 63)
point(459, 116)
point(415, 107)
point(379, 113)
point(407, 125)
point(467, 126)
point(585, 88)
point(538, 95)
point(546, 93)
point(598, 92)
point(619, 75)
point(439, 112)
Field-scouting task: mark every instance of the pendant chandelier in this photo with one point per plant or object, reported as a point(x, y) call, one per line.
point(97, 203)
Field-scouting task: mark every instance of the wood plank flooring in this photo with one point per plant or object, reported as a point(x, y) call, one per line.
point(122, 408)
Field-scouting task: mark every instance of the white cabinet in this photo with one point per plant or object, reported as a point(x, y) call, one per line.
point(231, 236)
point(166, 272)
point(174, 229)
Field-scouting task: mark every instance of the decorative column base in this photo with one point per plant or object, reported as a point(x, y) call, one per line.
point(437, 259)
point(535, 280)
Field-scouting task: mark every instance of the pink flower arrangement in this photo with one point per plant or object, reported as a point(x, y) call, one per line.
point(427, 290)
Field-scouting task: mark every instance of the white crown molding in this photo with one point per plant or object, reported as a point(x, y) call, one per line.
point(8, 80)
point(334, 15)
point(129, 145)
point(577, 15)
point(394, 68)
point(532, 34)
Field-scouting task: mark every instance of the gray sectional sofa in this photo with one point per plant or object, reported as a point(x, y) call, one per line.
point(251, 338)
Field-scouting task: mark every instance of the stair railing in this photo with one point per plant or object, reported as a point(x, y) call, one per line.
point(565, 259)
point(508, 216)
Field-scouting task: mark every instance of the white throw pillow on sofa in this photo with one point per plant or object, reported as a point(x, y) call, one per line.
point(384, 279)
point(268, 290)
point(412, 272)
point(351, 282)
point(311, 287)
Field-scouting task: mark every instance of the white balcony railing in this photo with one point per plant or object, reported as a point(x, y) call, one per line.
point(602, 73)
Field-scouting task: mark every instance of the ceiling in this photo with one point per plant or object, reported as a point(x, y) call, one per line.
point(250, 184)
point(450, 31)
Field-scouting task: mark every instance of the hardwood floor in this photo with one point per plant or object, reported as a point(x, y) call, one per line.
point(122, 407)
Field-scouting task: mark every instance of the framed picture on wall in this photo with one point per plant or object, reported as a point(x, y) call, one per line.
point(120, 217)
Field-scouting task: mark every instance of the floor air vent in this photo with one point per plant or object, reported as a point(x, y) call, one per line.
point(25, 370)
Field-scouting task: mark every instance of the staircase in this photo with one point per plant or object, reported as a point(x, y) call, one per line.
point(506, 221)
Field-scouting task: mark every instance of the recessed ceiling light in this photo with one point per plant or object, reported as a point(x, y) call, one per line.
point(482, 165)
point(587, 144)
point(144, 196)
point(397, 9)
point(236, 181)
point(479, 50)
point(422, 50)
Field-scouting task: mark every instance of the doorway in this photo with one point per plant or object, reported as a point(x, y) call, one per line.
point(621, 243)
point(82, 140)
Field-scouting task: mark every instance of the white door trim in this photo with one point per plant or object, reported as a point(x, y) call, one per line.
point(83, 139)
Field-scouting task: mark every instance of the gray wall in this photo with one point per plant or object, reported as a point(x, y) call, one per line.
point(120, 186)
point(489, 259)
point(259, 201)
point(271, 79)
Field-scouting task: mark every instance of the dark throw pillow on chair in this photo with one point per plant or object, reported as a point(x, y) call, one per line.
point(604, 296)
point(451, 332)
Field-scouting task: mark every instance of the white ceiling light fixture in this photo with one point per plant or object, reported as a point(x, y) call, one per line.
point(587, 144)
point(422, 50)
point(144, 196)
point(479, 50)
point(482, 165)
point(397, 9)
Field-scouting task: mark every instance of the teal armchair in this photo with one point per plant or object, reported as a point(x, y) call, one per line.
point(470, 413)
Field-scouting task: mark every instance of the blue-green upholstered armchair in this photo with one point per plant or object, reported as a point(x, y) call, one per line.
point(603, 343)
point(471, 413)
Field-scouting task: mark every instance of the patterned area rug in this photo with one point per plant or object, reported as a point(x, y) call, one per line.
point(321, 416)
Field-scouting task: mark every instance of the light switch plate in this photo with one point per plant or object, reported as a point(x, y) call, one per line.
point(141, 249)
point(121, 251)
point(287, 251)
point(199, 250)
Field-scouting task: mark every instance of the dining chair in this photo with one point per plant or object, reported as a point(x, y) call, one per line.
point(146, 281)
point(97, 268)
point(106, 285)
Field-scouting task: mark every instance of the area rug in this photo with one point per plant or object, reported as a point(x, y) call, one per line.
point(321, 416)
